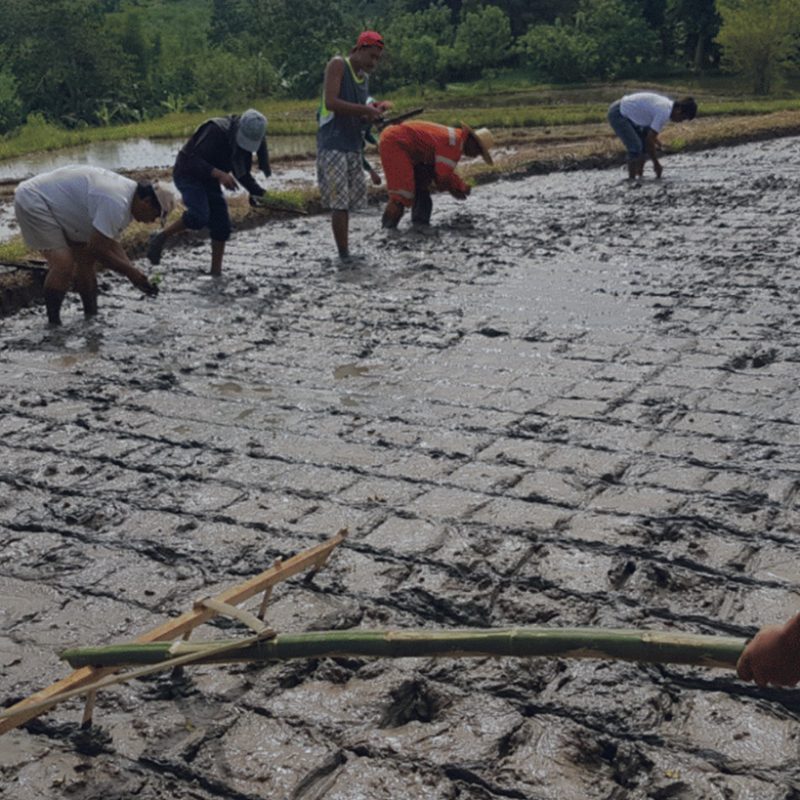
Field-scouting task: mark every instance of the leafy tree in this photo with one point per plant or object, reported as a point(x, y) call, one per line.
point(422, 57)
point(300, 37)
point(562, 52)
point(699, 22)
point(622, 36)
point(10, 104)
point(606, 38)
point(64, 61)
point(224, 79)
point(758, 38)
point(133, 43)
point(522, 14)
point(483, 38)
point(656, 14)
point(417, 46)
point(228, 20)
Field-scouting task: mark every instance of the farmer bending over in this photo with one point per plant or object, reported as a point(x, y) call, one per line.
point(219, 154)
point(420, 156)
point(75, 215)
point(638, 118)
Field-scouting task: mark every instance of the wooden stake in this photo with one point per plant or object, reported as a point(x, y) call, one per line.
point(262, 611)
point(88, 710)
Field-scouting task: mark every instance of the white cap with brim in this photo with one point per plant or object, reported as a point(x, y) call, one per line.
point(251, 129)
point(484, 138)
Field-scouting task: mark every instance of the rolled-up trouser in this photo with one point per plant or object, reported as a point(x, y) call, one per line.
point(629, 134)
point(205, 207)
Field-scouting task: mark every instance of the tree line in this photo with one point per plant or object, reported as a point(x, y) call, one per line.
point(97, 62)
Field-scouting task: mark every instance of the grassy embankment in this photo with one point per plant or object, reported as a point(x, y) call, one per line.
point(538, 128)
point(501, 108)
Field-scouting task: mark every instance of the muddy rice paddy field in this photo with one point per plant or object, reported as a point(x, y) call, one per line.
point(567, 403)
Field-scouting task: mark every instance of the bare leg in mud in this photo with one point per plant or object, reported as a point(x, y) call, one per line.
point(85, 282)
point(635, 168)
point(340, 223)
point(392, 214)
point(217, 254)
point(60, 275)
point(159, 240)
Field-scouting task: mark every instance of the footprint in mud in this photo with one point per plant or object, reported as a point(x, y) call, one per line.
point(618, 574)
point(349, 371)
point(462, 223)
point(91, 740)
point(664, 314)
point(765, 358)
point(170, 686)
point(411, 701)
point(360, 276)
point(753, 360)
point(490, 332)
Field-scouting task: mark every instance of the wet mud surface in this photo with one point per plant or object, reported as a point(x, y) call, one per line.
point(567, 403)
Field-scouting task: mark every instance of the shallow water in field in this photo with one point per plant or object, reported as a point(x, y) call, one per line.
point(567, 403)
point(133, 154)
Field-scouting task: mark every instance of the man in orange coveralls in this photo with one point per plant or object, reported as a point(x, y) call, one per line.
point(417, 156)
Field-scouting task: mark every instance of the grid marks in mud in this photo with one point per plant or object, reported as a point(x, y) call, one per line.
point(569, 403)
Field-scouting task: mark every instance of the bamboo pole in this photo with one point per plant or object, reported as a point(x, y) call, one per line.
point(38, 706)
point(598, 643)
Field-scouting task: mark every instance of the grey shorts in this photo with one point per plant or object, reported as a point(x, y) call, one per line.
point(342, 184)
point(36, 222)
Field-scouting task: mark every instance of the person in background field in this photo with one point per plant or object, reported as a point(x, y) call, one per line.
point(773, 655)
point(343, 112)
point(75, 215)
point(219, 154)
point(638, 118)
point(417, 156)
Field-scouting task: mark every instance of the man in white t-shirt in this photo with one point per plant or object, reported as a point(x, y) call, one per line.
point(638, 119)
point(75, 215)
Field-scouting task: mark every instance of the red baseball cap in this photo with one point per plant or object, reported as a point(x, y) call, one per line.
point(370, 39)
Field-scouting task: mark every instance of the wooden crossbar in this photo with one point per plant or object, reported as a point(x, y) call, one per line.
point(313, 558)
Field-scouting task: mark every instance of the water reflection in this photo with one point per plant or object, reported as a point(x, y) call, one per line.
point(132, 154)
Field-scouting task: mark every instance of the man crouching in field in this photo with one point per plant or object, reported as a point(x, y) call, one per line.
point(420, 156)
point(75, 215)
point(638, 118)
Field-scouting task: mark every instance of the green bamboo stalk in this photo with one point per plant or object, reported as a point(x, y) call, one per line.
point(598, 643)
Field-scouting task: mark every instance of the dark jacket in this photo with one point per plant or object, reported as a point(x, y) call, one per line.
point(213, 145)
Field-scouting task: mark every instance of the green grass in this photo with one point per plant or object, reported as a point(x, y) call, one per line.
point(288, 198)
point(13, 250)
point(285, 117)
point(510, 102)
